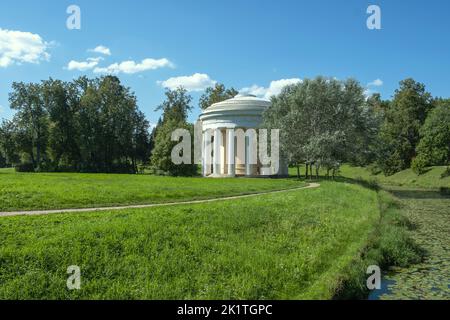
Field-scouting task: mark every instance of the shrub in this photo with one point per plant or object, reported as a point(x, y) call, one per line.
point(374, 169)
point(371, 183)
point(418, 165)
point(446, 173)
point(445, 191)
point(24, 167)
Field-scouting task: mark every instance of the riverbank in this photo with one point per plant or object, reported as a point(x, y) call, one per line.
point(429, 212)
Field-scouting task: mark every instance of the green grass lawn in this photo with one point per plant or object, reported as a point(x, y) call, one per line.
point(280, 246)
point(430, 180)
point(31, 191)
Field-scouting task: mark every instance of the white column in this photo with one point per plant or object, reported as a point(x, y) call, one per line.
point(207, 153)
point(217, 157)
point(248, 156)
point(223, 152)
point(204, 154)
point(230, 153)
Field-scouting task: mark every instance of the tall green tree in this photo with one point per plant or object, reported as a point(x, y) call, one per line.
point(62, 130)
point(32, 117)
point(175, 109)
point(89, 125)
point(434, 146)
point(216, 94)
point(8, 142)
point(400, 132)
point(322, 122)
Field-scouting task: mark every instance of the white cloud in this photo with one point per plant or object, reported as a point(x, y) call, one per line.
point(17, 47)
point(131, 67)
point(274, 88)
point(152, 126)
point(195, 82)
point(101, 49)
point(90, 63)
point(375, 83)
point(369, 92)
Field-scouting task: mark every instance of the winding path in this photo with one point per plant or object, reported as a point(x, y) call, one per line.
point(46, 212)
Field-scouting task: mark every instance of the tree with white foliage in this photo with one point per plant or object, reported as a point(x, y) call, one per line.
point(322, 123)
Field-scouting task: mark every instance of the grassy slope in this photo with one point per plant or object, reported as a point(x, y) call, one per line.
point(420, 251)
point(290, 245)
point(429, 180)
point(22, 191)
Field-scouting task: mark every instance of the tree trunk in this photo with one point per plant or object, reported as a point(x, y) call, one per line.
point(306, 172)
point(32, 158)
point(133, 161)
point(38, 148)
point(298, 171)
point(38, 156)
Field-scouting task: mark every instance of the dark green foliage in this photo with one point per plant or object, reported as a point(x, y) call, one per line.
point(83, 125)
point(161, 156)
point(2, 161)
point(370, 183)
point(24, 167)
point(374, 169)
point(418, 165)
point(434, 146)
point(175, 111)
point(444, 191)
point(399, 134)
point(216, 94)
point(446, 173)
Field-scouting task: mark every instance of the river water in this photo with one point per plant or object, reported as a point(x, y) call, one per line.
point(430, 213)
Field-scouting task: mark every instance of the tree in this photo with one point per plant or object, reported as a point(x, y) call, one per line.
point(84, 125)
point(8, 142)
point(62, 131)
point(175, 111)
point(216, 94)
point(141, 140)
point(32, 119)
point(399, 134)
point(434, 146)
point(322, 122)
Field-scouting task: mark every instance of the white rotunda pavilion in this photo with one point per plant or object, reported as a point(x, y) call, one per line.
point(224, 154)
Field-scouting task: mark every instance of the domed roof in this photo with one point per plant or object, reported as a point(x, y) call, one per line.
point(240, 102)
point(241, 111)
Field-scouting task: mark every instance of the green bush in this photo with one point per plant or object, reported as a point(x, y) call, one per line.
point(446, 173)
point(371, 183)
point(418, 165)
point(24, 167)
point(445, 191)
point(374, 169)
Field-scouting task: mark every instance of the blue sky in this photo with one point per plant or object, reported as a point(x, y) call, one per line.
point(241, 43)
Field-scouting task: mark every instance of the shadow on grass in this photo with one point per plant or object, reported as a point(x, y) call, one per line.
point(416, 194)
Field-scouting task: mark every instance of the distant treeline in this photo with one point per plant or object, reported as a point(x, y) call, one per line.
point(86, 125)
point(95, 126)
point(324, 122)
